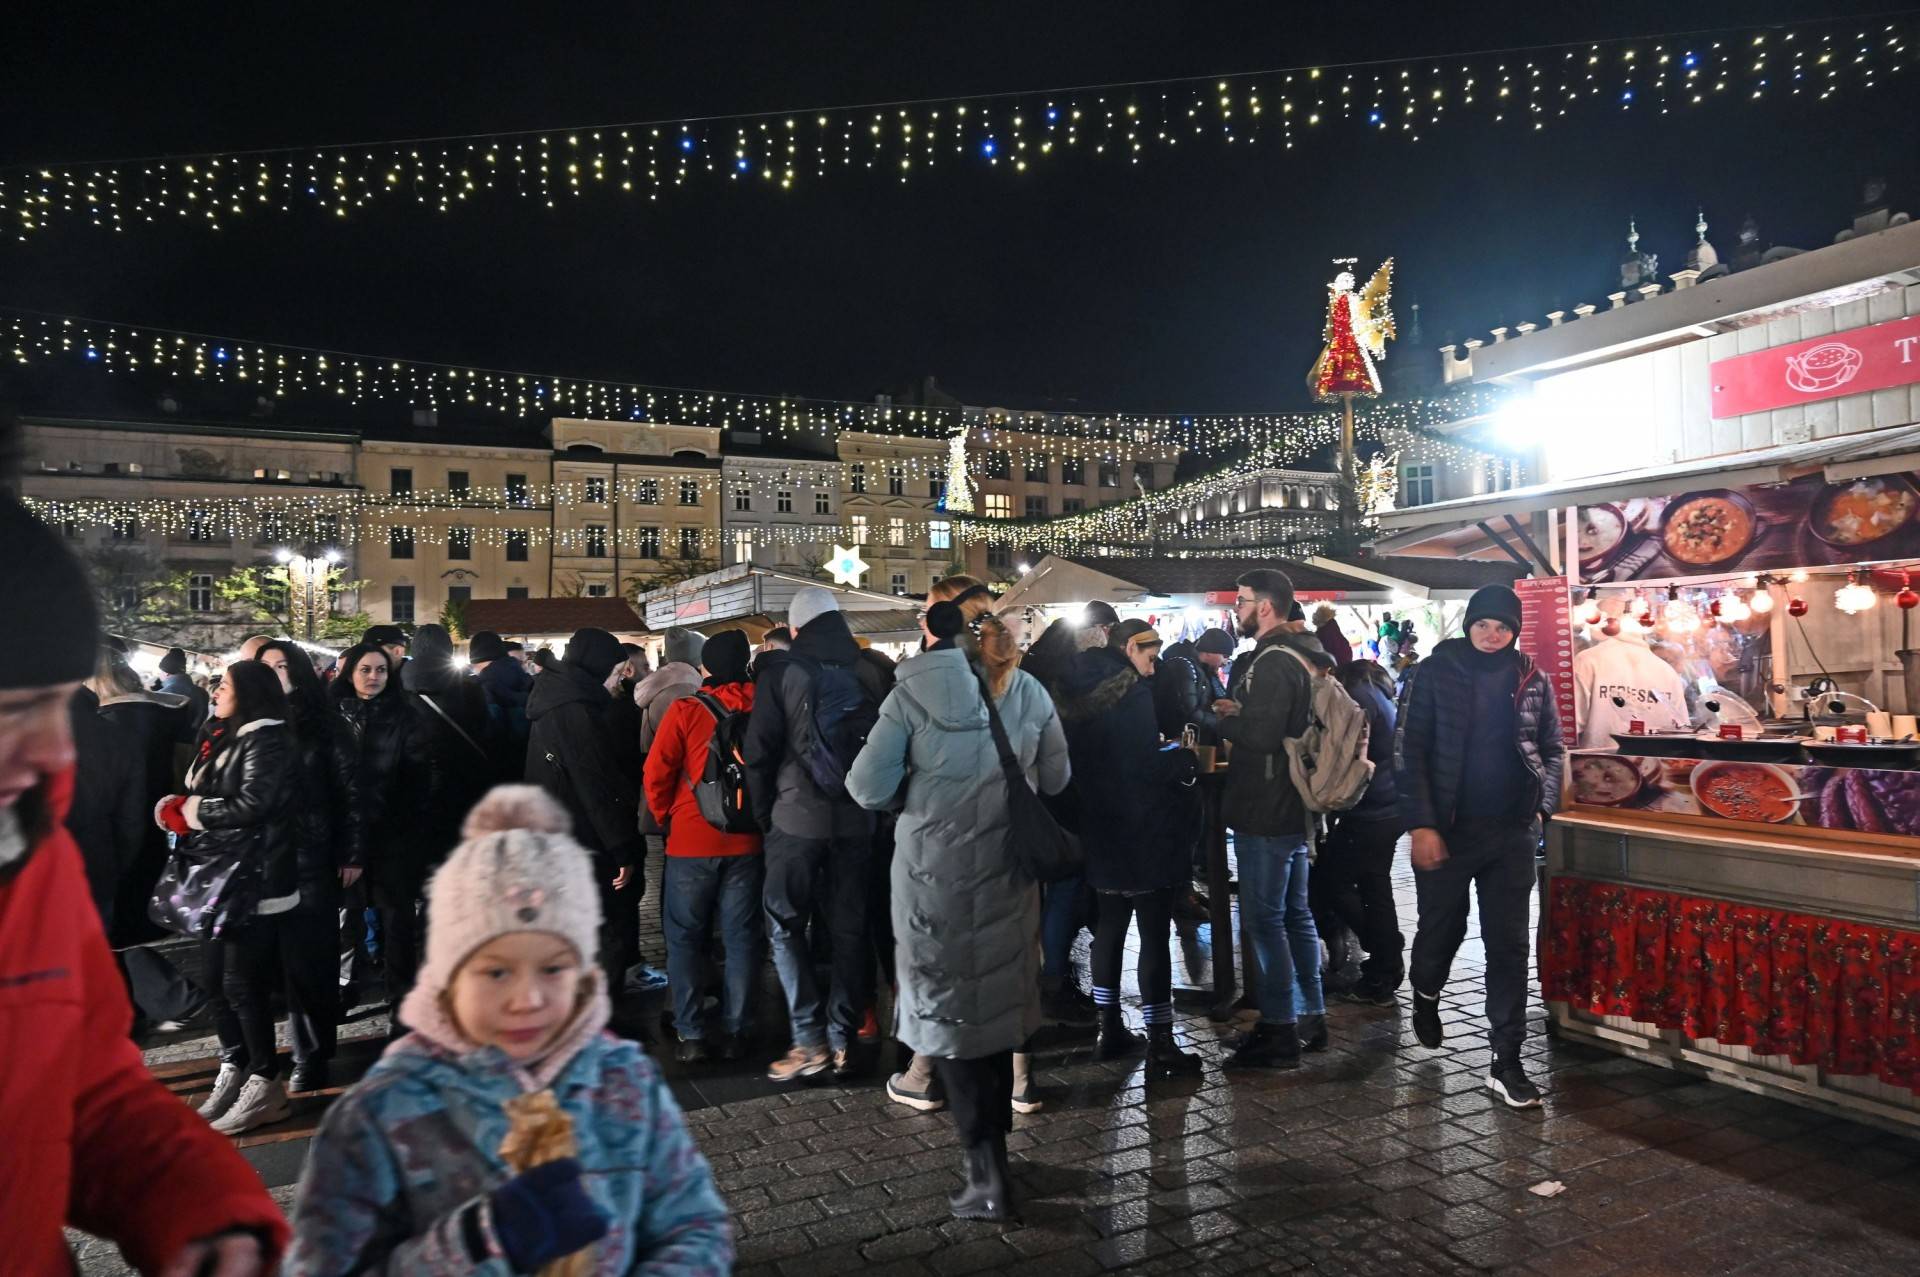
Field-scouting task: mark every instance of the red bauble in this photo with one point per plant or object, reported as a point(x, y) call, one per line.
point(1907, 599)
point(1612, 627)
point(1648, 620)
point(1796, 607)
point(1714, 607)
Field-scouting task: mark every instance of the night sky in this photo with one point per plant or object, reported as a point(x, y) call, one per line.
point(1191, 282)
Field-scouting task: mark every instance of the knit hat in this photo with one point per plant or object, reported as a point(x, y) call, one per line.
point(810, 601)
point(595, 651)
point(684, 646)
point(725, 656)
point(1098, 613)
point(384, 636)
point(55, 631)
point(517, 869)
point(1495, 603)
point(485, 646)
point(174, 662)
point(1216, 641)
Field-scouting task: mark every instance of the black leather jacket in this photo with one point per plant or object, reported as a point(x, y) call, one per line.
point(376, 735)
point(241, 804)
point(326, 836)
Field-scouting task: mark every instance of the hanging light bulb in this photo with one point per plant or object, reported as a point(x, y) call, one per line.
point(1592, 614)
point(1853, 597)
point(1762, 600)
point(1679, 615)
point(1731, 608)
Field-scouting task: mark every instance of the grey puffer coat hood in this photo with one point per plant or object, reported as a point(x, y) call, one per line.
point(966, 920)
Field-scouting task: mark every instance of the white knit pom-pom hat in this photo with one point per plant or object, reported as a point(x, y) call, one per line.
point(518, 870)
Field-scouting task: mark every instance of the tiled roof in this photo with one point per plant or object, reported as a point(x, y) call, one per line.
point(508, 617)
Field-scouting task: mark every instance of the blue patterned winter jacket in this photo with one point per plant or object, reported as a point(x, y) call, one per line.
point(401, 1167)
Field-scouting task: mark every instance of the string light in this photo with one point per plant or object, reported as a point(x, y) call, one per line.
point(1000, 133)
point(1854, 597)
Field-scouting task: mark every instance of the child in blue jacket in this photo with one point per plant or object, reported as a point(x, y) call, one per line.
point(406, 1174)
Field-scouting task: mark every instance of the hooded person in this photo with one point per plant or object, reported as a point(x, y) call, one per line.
point(571, 753)
point(98, 1144)
point(1481, 760)
point(425, 1164)
point(678, 676)
point(811, 714)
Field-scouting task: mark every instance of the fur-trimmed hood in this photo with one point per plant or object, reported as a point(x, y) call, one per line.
point(1096, 681)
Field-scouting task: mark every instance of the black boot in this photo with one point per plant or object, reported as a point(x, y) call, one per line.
point(985, 1196)
point(1268, 1046)
point(1313, 1033)
point(1116, 1039)
point(1165, 1056)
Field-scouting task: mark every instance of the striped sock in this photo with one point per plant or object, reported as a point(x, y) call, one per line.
point(1158, 1012)
point(1105, 997)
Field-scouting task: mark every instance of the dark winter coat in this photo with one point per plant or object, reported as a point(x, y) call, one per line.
point(1274, 696)
point(1123, 780)
point(377, 740)
point(445, 766)
point(505, 686)
point(1381, 800)
point(779, 736)
point(1184, 691)
point(240, 804)
point(571, 754)
point(153, 720)
point(326, 836)
point(199, 704)
point(1434, 727)
point(109, 818)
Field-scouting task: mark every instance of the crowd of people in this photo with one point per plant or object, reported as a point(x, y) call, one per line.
point(857, 819)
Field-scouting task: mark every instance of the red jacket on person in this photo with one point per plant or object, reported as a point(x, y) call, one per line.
point(91, 1138)
point(674, 766)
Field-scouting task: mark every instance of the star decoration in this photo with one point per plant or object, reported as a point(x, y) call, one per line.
point(846, 566)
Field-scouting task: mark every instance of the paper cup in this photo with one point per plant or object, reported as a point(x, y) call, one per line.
point(1905, 726)
point(1879, 724)
point(1823, 733)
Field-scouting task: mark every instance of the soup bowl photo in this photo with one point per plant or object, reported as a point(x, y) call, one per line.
point(1759, 793)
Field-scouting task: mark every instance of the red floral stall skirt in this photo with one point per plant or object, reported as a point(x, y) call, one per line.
point(1841, 995)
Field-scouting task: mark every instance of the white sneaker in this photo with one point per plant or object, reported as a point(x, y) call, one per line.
point(226, 1089)
point(262, 1100)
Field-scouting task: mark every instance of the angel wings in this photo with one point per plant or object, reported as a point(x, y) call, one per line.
point(1372, 317)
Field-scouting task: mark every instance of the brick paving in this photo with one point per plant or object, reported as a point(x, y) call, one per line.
point(1377, 1157)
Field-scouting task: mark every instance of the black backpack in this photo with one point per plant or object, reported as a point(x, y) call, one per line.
point(841, 712)
point(721, 792)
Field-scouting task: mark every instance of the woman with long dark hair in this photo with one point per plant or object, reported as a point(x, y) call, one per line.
point(235, 825)
point(327, 856)
point(367, 698)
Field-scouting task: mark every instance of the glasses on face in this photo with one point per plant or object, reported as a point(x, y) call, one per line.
point(1243, 600)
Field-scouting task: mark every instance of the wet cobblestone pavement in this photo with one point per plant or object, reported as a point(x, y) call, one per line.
point(1376, 1157)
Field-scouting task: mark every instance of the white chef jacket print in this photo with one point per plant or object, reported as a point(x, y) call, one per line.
point(1622, 667)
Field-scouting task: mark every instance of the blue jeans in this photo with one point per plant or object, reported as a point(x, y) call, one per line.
point(1059, 924)
point(1273, 898)
point(798, 868)
point(693, 889)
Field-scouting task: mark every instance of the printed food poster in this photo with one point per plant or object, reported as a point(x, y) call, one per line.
point(1546, 635)
point(1805, 523)
point(1847, 799)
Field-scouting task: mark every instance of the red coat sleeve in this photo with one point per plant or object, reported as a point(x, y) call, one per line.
point(148, 1172)
point(667, 760)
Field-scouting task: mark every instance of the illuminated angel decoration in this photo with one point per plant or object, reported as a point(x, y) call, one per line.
point(1359, 325)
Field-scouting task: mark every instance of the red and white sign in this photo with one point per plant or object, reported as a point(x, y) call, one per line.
point(1848, 363)
point(1225, 598)
point(1546, 634)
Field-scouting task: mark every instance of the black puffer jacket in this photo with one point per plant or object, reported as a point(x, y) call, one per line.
point(1381, 802)
point(240, 803)
point(1433, 735)
point(376, 737)
point(1121, 777)
point(1184, 691)
point(326, 836)
point(572, 755)
point(446, 766)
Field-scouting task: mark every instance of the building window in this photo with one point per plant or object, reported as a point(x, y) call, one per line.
point(999, 464)
point(822, 503)
point(1072, 505)
point(460, 594)
point(689, 492)
point(742, 497)
point(126, 529)
point(783, 503)
point(403, 605)
point(648, 541)
point(200, 592)
point(326, 528)
point(517, 592)
point(689, 543)
point(596, 542)
point(999, 505)
point(899, 582)
point(937, 482)
point(1000, 557)
point(1416, 485)
point(199, 526)
point(743, 546)
point(400, 543)
point(597, 490)
point(1035, 470)
point(896, 531)
point(646, 492)
point(459, 543)
point(1143, 475)
point(1073, 471)
point(1109, 475)
point(1036, 507)
point(939, 535)
point(400, 479)
point(457, 482)
point(597, 590)
point(896, 481)
point(857, 477)
point(517, 491)
point(517, 541)
point(859, 529)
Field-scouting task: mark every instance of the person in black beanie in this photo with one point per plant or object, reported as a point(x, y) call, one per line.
point(1481, 761)
point(572, 754)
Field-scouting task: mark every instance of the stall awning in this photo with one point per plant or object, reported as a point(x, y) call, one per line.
point(1438, 528)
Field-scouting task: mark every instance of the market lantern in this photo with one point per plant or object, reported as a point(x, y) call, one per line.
point(1612, 628)
point(1853, 597)
point(1907, 599)
point(1796, 607)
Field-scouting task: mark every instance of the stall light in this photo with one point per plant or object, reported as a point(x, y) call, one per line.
point(1762, 600)
point(1853, 597)
point(1732, 609)
point(1680, 616)
point(1906, 600)
point(1592, 615)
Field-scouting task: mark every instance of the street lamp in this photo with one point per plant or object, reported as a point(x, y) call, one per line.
point(308, 572)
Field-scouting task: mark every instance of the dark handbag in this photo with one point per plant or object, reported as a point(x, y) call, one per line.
point(204, 896)
point(1038, 846)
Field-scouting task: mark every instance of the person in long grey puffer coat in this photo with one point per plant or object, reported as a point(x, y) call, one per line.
point(966, 918)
